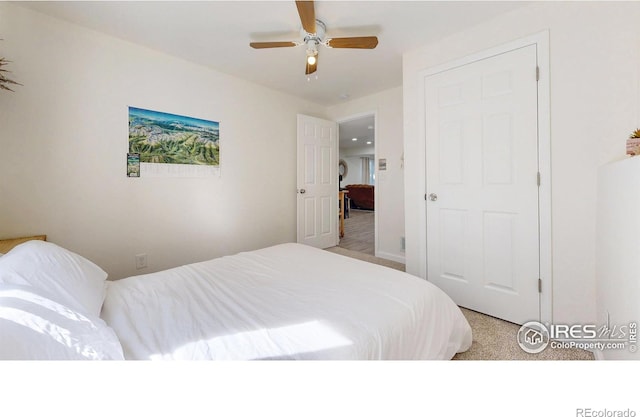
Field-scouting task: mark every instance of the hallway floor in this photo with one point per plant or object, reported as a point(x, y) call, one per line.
point(359, 232)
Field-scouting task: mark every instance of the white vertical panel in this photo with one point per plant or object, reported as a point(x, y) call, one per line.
point(451, 152)
point(497, 149)
point(326, 164)
point(499, 248)
point(309, 164)
point(326, 225)
point(452, 242)
point(309, 205)
point(618, 240)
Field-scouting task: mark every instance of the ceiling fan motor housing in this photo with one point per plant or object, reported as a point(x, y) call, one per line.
point(315, 38)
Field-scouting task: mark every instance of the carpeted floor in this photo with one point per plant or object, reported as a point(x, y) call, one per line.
point(493, 339)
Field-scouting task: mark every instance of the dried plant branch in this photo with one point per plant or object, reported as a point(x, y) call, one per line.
point(4, 81)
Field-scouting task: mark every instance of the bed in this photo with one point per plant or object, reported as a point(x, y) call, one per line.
point(288, 301)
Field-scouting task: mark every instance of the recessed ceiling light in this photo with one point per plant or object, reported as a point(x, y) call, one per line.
point(368, 142)
point(354, 139)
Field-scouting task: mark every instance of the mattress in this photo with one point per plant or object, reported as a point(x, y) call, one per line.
point(288, 301)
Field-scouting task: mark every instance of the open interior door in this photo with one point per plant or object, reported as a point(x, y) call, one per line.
point(317, 186)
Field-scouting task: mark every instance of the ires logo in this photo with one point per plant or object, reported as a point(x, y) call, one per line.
point(576, 331)
point(534, 337)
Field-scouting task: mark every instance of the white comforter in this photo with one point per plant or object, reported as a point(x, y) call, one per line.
point(288, 301)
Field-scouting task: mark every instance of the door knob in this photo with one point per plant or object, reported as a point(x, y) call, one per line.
point(433, 197)
point(302, 191)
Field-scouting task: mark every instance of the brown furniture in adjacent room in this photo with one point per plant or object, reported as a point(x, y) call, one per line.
point(361, 196)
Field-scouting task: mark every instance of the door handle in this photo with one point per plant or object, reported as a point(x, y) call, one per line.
point(433, 197)
point(302, 191)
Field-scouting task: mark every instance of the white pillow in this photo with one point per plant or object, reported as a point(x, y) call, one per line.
point(35, 326)
point(75, 281)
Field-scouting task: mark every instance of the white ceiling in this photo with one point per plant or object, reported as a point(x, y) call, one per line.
point(216, 34)
point(361, 128)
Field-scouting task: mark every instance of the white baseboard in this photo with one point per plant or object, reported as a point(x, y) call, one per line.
point(597, 353)
point(391, 257)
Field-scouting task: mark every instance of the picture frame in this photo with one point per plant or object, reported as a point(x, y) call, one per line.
point(174, 145)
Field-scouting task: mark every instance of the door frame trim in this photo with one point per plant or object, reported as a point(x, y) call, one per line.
point(541, 41)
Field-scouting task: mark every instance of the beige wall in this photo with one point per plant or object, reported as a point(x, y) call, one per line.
point(63, 143)
point(594, 71)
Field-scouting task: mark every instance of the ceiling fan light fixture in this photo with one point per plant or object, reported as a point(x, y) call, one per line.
point(312, 57)
point(312, 51)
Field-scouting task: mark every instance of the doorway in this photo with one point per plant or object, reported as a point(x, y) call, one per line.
point(358, 180)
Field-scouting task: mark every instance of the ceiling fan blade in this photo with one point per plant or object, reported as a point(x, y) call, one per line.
point(306, 10)
point(262, 45)
point(363, 42)
point(310, 69)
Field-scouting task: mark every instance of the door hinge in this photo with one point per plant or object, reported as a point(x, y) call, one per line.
point(539, 285)
point(538, 179)
point(425, 196)
point(537, 73)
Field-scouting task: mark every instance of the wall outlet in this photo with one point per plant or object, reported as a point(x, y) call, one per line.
point(141, 261)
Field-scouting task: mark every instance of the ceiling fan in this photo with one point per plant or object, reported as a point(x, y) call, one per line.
point(313, 34)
